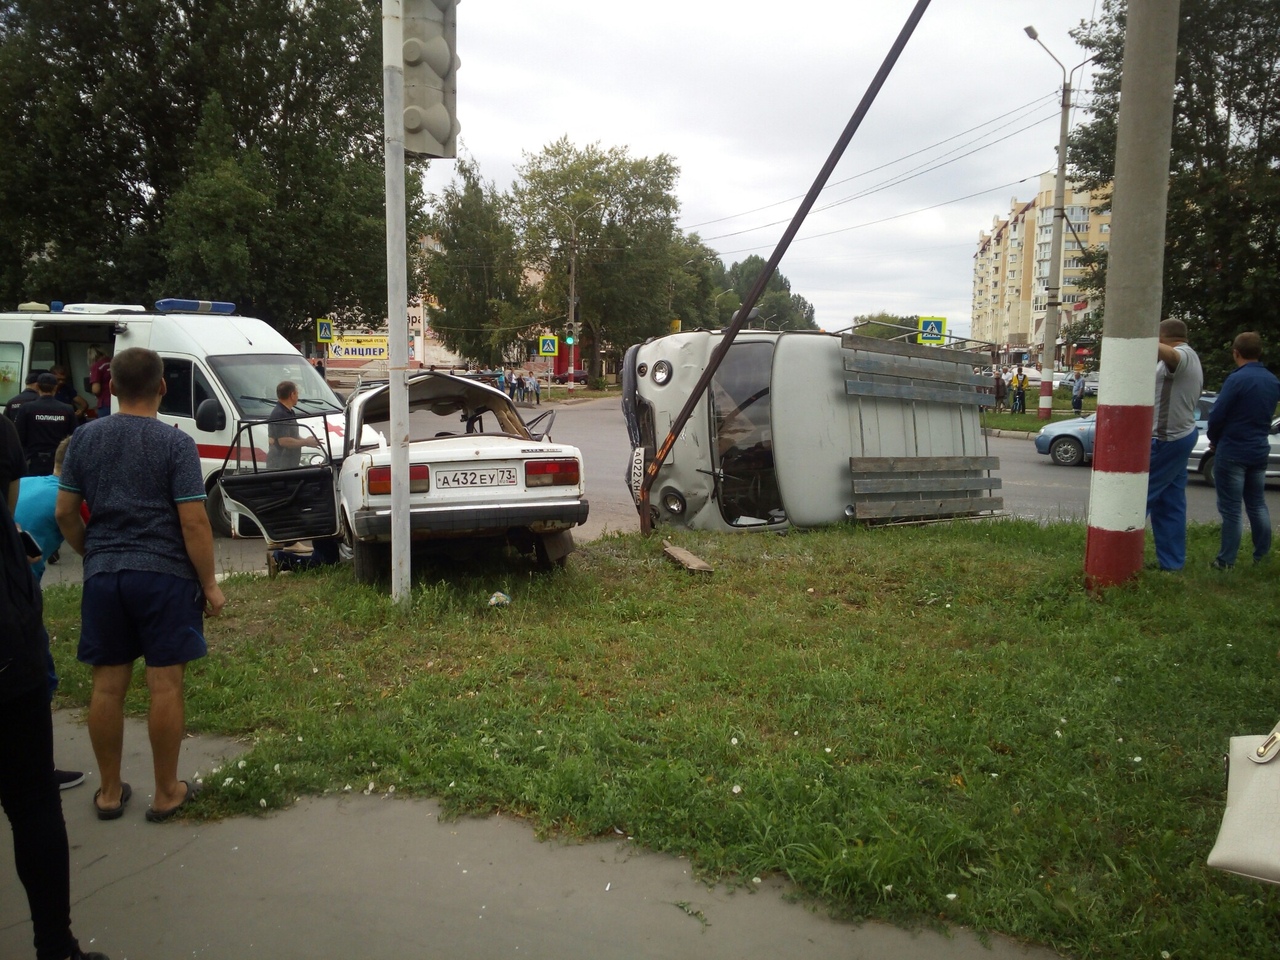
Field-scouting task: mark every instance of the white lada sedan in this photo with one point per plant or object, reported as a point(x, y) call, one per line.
point(477, 471)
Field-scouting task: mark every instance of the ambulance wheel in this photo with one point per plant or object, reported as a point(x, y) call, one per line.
point(216, 507)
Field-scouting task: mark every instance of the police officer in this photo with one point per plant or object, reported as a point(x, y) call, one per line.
point(43, 423)
point(30, 393)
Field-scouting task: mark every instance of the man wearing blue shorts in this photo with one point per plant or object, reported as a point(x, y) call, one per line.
point(148, 573)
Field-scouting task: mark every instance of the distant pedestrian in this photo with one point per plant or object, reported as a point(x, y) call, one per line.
point(537, 390)
point(1018, 386)
point(149, 574)
point(1077, 394)
point(42, 424)
point(1239, 438)
point(1179, 382)
point(1002, 390)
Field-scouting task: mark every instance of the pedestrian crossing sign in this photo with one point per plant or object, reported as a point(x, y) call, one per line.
point(324, 331)
point(932, 330)
point(548, 346)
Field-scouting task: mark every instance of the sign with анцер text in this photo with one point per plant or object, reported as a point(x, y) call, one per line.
point(358, 348)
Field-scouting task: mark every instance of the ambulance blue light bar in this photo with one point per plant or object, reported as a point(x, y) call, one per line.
point(174, 305)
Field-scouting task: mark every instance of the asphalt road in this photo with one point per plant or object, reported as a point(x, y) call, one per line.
point(1033, 487)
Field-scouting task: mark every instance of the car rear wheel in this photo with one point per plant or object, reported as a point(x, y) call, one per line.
point(372, 561)
point(1206, 468)
point(1067, 452)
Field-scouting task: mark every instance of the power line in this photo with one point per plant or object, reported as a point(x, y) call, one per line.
point(1024, 108)
point(886, 184)
point(896, 216)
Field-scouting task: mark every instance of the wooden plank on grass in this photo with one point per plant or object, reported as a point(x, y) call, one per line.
point(686, 559)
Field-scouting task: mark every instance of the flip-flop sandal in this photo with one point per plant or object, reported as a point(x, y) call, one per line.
point(116, 812)
point(160, 816)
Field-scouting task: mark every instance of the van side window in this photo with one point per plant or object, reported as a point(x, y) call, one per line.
point(201, 389)
point(176, 401)
point(12, 373)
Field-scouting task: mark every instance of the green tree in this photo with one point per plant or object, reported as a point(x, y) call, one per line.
point(1222, 255)
point(885, 325)
point(232, 146)
point(779, 308)
point(473, 270)
point(612, 217)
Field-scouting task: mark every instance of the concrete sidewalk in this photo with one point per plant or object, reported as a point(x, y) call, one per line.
point(376, 877)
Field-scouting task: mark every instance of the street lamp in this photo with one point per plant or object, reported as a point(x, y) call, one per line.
point(573, 273)
point(1054, 290)
point(715, 303)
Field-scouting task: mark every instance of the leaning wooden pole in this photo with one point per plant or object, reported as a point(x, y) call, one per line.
point(730, 332)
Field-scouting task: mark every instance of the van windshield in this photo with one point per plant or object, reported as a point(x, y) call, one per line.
point(251, 380)
point(743, 441)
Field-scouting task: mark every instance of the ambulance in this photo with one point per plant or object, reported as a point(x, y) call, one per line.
point(220, 370)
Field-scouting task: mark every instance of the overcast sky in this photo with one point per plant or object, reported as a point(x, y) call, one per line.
point(749, 98)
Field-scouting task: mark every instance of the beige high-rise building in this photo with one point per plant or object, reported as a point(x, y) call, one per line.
point(1011, 272)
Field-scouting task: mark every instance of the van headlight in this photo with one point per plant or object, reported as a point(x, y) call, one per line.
point(661, 372)
point(672, 502)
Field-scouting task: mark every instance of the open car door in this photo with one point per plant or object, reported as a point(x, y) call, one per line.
point(297, 501)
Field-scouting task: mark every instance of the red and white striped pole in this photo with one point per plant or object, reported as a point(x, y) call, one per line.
point(1126, 383)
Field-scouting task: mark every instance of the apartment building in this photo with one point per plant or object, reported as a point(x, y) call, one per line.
point(1011, 273)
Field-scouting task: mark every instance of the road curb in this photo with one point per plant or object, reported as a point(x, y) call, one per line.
point(1008, 434)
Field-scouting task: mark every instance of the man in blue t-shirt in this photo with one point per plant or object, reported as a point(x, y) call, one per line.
point(148, 573)
point(1240, 437)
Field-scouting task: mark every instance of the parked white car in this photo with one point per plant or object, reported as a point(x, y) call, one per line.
point(477, 471)
point(1201, 460)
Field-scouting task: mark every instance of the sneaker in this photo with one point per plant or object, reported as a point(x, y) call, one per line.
point(1219, 565)
point(54, 557)
point(68, 778)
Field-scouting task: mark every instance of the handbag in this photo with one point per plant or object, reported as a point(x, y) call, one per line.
point(1249, 841)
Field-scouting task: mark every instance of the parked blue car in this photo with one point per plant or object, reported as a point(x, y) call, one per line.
point(1069, 443)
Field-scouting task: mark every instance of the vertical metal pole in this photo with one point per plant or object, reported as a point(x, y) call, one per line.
point(573, 291)
point(1055, 261)
point(397, 292)
point(1126, 383)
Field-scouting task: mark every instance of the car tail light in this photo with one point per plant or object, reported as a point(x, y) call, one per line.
point(380, 480)
point(547, 473)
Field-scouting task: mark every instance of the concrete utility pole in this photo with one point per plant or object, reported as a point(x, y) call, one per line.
point(573, 279)
point(1126, 394)
point(1054, 290)
point(397, 293)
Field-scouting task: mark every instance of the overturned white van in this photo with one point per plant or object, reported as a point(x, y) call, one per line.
point(806, 428)
point(227, 364)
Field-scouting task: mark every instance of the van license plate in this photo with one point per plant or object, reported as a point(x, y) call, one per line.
point(497, 477)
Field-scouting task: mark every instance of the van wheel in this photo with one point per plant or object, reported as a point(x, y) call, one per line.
point(216, 507)
point(372, 561)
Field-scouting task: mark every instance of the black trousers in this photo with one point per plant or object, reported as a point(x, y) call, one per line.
point(31, 801)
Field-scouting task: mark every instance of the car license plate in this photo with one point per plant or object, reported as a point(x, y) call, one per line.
point(495, 477)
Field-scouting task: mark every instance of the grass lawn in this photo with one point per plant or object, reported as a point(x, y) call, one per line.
point(921, 724)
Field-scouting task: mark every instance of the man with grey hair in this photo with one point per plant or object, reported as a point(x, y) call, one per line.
point(1179, 382)
point(1239, 436)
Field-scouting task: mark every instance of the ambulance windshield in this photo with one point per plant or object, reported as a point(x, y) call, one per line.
point(251, 379)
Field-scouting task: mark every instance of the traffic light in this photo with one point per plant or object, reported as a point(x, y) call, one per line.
point(430, 78)
point(571, 333)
